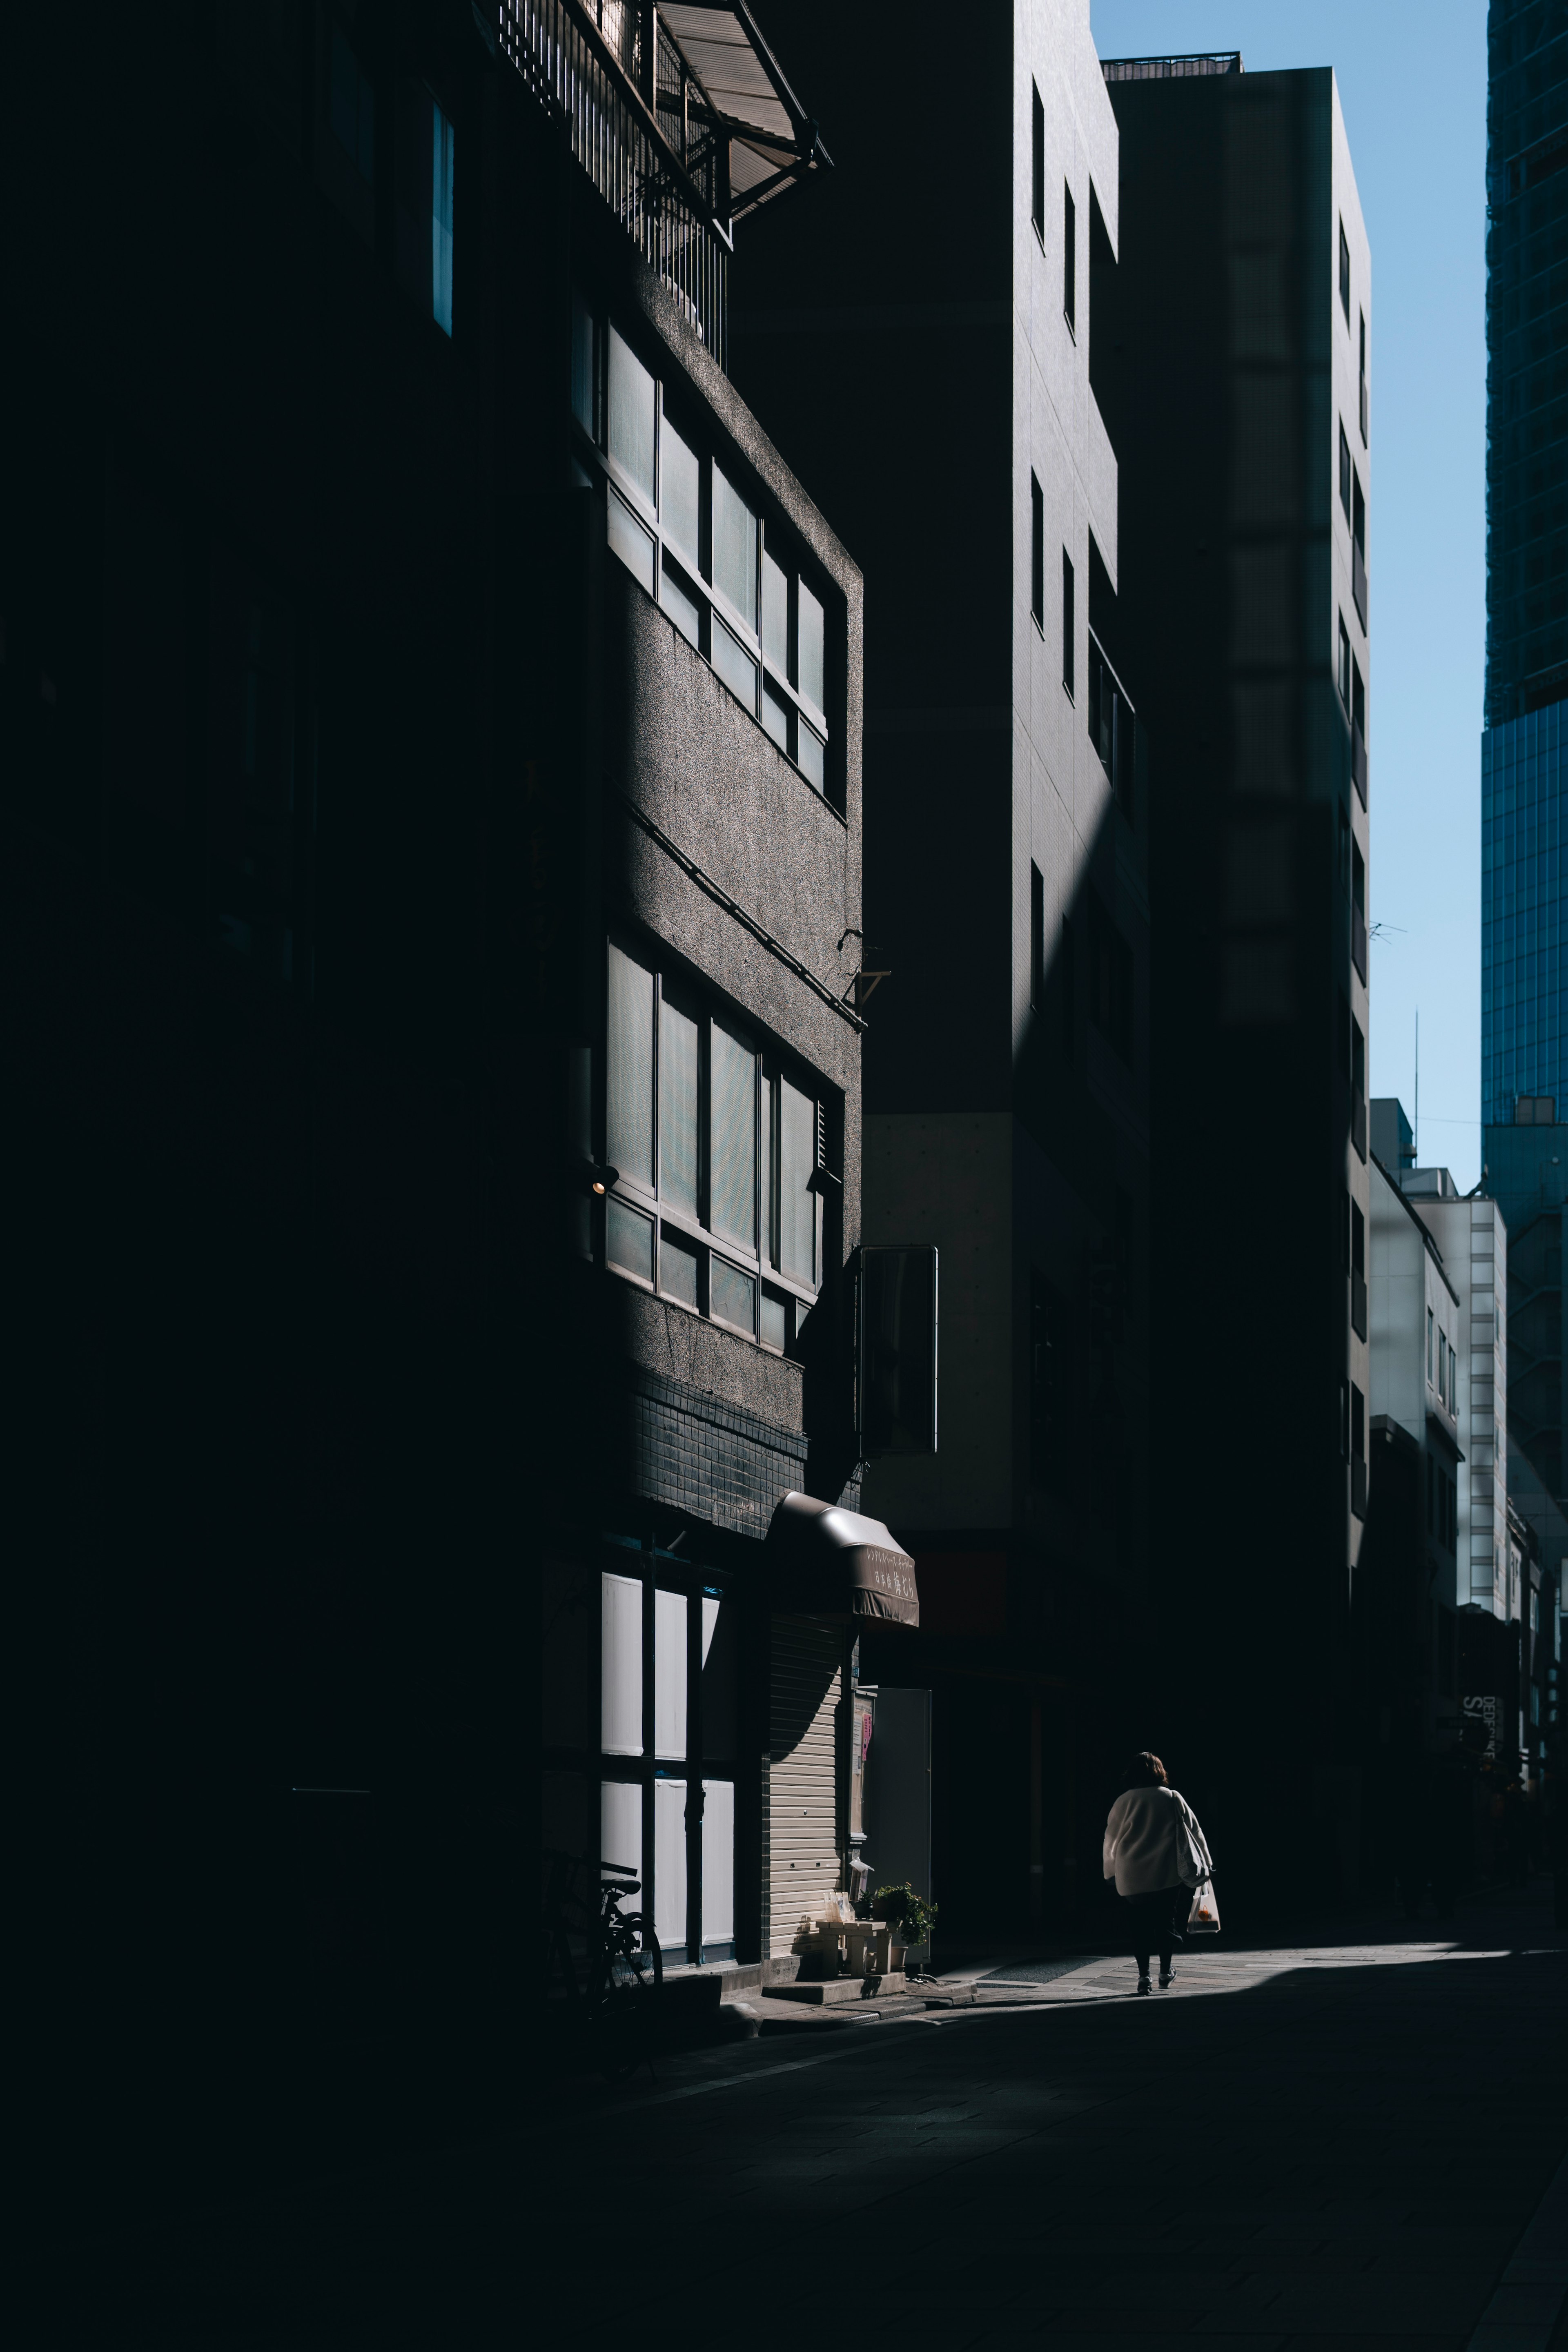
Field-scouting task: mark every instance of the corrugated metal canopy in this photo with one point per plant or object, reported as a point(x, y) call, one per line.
point(771, 138)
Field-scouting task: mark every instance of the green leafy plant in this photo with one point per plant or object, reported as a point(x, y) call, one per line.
point(901, 1907)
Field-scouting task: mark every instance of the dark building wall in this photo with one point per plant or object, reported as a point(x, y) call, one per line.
point(1234, 561)
point(316, 1377)
point(1005, 1107)
point(1527, 358)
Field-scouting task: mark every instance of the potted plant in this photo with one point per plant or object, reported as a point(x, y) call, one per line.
point(908, 1914)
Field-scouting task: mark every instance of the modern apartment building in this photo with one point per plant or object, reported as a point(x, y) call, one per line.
point(432, 799)
point(1232, 365)
point(1007, 806)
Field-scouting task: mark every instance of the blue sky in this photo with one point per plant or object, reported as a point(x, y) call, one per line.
point(1413, 84)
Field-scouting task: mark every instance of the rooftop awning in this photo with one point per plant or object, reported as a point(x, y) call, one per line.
point(772, 141)
point(834, 1563)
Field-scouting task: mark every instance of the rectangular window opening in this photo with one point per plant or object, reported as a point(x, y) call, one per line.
point(1037, 162)
point(1344, 274)
point(1070, 261)
point(1068, 624)
point(1036, 552)
point(1037, 938)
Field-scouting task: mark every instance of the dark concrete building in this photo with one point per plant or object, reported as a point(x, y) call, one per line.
point(432, 806)
point(1243, 292)
point(1007, 804)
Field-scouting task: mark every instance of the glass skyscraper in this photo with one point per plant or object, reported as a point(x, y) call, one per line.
point(1524, 749)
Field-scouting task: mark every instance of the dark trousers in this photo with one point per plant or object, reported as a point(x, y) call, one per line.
point(1155, 1922)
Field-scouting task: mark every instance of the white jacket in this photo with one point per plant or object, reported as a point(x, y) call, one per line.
point(1153, 1839)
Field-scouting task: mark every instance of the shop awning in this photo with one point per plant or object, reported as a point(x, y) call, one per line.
point(831, 1562)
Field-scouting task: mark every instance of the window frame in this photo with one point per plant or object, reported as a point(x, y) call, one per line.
point(693, 582)
point(760, 1262)
point(1344, 272)
point(1069, 627)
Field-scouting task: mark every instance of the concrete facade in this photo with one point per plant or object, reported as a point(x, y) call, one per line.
point(1006, 1056)
point(1471, 1235)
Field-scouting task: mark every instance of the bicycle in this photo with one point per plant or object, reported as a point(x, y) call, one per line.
point(615, 2000)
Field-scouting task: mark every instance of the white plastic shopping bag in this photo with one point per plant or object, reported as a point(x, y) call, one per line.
point(1202, 1919)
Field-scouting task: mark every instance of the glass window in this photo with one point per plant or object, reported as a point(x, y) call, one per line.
point(632, 401)
point(629, 1077)
point(797, 1164)
point(776, 614)
point(811, 681)
point(734, 1150)
point(1429, 1331)
point(737, 669)
point(677, 1267)
point(810, 757)
point(681, 496)
point(628, 1240)
point(775, 716)
point(733, 1296)
point(735, 549)
point(678, 1107)
point(584, 399)
point(441, 221)
point(681, 608)
point(631, 542)
point(774, 1310)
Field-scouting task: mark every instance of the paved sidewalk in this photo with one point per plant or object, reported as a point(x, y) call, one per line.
point(1325, 2145)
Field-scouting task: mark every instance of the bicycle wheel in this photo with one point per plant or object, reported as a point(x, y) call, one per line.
point(628, 2007)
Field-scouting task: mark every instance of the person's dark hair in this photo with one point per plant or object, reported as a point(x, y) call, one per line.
point(1146, 1771)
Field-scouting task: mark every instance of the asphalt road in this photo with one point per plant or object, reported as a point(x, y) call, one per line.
point(1340, 2142)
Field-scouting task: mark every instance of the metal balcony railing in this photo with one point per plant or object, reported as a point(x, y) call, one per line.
point(1358, 941)
point(1358, 579)
point(662, 170)
point(1111, 722)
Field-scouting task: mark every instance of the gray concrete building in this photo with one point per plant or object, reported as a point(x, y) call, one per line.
point(1006, 814)
point(1231, 364)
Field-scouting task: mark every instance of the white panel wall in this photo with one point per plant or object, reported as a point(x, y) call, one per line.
point(621, 1667)
point(669, 1675)
point(620, 1825)
point(718, 1862)
point(669, 1861)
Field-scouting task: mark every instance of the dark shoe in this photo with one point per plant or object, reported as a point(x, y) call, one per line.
point(1167, 1978)
point(1144, 1986)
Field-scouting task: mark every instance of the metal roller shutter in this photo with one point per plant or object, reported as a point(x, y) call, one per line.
point(806, 1689)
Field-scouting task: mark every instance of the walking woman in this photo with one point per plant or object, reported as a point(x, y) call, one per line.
point(1156, 1853)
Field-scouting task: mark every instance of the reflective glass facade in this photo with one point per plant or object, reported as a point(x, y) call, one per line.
point(1526, 740)
point(1524, 911)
